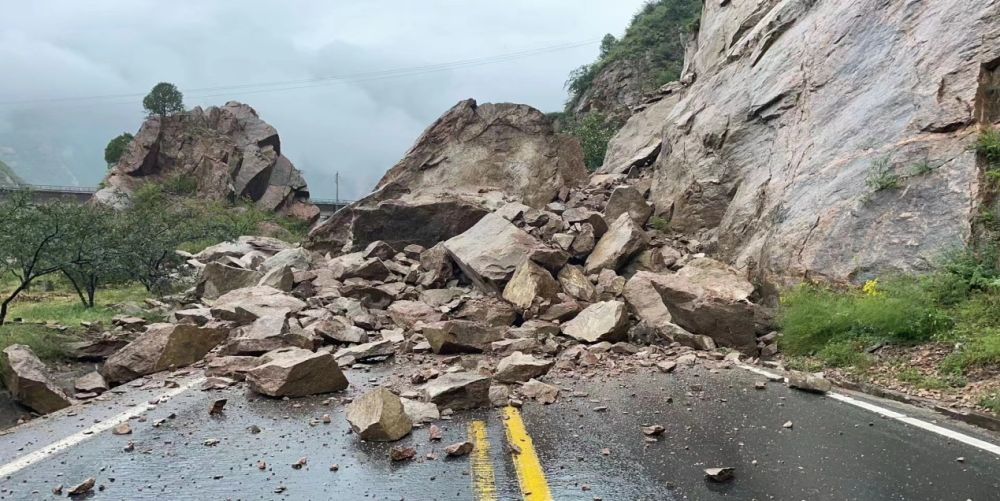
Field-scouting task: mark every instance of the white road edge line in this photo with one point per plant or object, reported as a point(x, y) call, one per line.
point(81, 436)
point(912, 421)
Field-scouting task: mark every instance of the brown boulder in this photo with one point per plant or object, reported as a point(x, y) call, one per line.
point(378, 416)
point(162, 347)
point(25, 376)
point(604, 321)
point(294, 372)
point(709, 298)
point(460, 336)
point(623, 240)
point(627, 200)
point(519, 367)
point(489, 252)
point(530, 281)
point(217, 279)
point(460, 390)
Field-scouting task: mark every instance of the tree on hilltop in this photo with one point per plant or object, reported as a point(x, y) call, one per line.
point(163, 100)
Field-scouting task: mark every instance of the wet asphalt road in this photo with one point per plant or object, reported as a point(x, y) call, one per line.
point(833, 451)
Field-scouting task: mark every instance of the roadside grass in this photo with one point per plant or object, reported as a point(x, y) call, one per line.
point(958, 305)
point(63, 307)
point(991, 402)
point(48, 344)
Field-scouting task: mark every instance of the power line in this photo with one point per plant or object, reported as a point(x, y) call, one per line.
point(280, 86)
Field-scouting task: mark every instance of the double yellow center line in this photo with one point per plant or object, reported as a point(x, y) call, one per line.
point(530, 476)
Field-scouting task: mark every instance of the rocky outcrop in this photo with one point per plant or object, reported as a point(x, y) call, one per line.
point(616, 90)
point(470, 156)
point(226, 152)
point(771, 153)
point(27, 380)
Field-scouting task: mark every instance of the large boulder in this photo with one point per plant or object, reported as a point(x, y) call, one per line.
point(26, 378)
point(645, 300)
point(378, 416)
point(709, 298)
point(217, 279)
point(161, 347)
point(530, 281)
point(627, 200)
point(460, 336)
point(519, 367)
point(398, 219)
point(295, 372)
point(575, 283)
point(623, 240)
point(490, 251)
point(458, 391)
point(228, 152)
point(246, 305)
point(511, 148)
point(267, 334)
point(603, 321)
point(761, 154)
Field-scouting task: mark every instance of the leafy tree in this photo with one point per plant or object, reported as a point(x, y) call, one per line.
point(607, 43)
point(31, 240)
point(163, 100)
point(93, 252)
point(594, 131)
point(116, 148)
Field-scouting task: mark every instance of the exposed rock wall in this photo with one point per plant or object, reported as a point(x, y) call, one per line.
point(788, 107)
point(616, 90)
point(227, 151)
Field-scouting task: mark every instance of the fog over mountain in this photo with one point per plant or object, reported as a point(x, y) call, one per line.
point(360, 127)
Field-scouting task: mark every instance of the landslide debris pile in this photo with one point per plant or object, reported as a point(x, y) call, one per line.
point(475, 319)
point(224, 153)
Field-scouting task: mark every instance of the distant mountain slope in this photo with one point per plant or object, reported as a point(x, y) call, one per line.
point(7, 176)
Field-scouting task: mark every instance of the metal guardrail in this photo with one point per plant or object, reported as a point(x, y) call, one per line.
point(44, 187)
point(319, 201)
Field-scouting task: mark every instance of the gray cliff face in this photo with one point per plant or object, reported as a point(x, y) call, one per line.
point(228, 151)
point(785, 108)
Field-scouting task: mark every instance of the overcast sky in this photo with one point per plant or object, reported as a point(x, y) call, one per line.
point(57, 49)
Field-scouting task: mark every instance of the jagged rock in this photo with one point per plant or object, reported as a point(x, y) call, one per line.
point(627, 200)
point(490, 251)
point(280, 278)
point(366, 351)
point(437, 264)
point(530, 281)
point(232, 367)
point(604, 321)
point(26, 378)
point(707, 297)
point(375, 298)
point(460, 336)
point(267, 334)
point(229, 151)
point(407, 314)
point(340, 330)
point(584, 216)
point(356, 265)
point(539, 391)
point(378, 416)
point(196, 316)
point(296, 258)
point(379, 249)
point(535, 329)
point(506, 346)
point(217, 279)
point(809, 382)
point(420, 412)
point(397, 219)
point(584, 241)
point(161, 347)
point(510, 147)
point(518, 367)
point(645, 300)
point(488, 310)
point(91, 382)
point(609, 284)
point(623, 240)
point(246, 305)
point(458, 391)
point(575, 283)
point(294, 372)
point(460, 449)
point(499, 395)
point(96, 350)
point(437, 298)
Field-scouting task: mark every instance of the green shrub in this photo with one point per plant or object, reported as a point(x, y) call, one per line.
point(989, 146)
point(659, 224)
point(991, 402)
point(594, 131)
point(881, 176)
point(812, 317)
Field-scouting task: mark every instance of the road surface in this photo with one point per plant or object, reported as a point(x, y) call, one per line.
point(835, 449)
